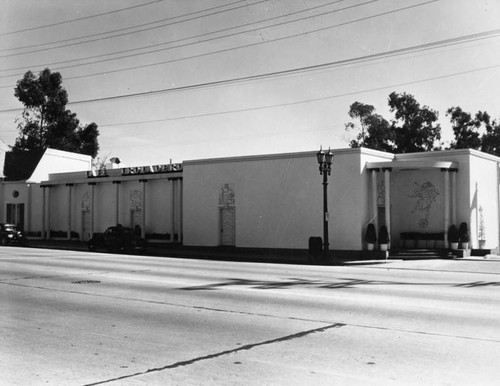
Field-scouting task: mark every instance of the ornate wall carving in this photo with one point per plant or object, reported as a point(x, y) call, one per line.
point(135, 201)
point(226, 196)
point(86, 202)
point(425, 196)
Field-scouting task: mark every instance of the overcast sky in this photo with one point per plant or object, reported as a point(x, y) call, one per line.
point(190, 79)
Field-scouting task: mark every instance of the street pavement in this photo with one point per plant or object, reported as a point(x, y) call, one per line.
point(78, 318)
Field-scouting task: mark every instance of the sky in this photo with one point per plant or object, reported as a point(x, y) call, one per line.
point(193, 79)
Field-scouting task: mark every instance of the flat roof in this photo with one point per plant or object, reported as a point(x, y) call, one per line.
point(413, 165)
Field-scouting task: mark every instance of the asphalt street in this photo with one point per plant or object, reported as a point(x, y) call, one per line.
point(78, 318)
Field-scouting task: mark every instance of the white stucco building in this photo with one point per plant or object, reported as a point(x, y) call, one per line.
point(271, 202)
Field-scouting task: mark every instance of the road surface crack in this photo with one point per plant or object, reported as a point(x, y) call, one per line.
point(223, 353)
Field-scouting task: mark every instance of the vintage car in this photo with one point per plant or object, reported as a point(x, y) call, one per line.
point(115, 239)
point(10, 235)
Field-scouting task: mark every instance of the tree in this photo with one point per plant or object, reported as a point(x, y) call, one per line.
point(413, 129)
point(490, 141)
point(465, 128)
point(479, 132)
point(375, 132)
point(46, 122)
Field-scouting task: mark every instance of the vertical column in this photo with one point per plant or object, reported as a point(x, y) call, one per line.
point(387, 177)
point(453, 196)
point(117, 199)
point(92, 207)
point(69, 189)
point(174, 229)
point(446, 183)
point(498, 205)
point(181, 185)
point(374, 198)
point(143, 229)
point(27, 223)
point(48, 213)
point(44, 233)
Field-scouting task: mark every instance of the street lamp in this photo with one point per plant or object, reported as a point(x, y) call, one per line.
point(325, 160)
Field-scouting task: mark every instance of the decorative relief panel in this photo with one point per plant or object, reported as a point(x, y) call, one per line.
point(226, 196)
point(86, 202)
point(135, 200)
point(381, 193)
point(425, 196)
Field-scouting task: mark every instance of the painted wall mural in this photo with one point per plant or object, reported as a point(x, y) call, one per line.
point(425, 196)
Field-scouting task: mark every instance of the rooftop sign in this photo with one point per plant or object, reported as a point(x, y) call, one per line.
point(167, 168)
point(136, 170)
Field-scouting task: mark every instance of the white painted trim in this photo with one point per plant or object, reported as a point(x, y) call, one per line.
point(401, 165)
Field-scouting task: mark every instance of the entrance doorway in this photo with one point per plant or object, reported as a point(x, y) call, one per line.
point(15, 215)
point(228, 225)
point(86, 229)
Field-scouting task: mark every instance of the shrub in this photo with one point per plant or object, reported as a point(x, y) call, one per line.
point(371, 234)
point(383, 237)
point(453, 234)
point(463, 233)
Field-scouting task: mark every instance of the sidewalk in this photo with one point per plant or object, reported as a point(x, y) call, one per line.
point(237, 254)
point(177, 250)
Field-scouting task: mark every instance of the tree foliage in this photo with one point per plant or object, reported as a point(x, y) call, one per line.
point(374, 130)
point(414, 128)
point(45, 121)
point(479, 132)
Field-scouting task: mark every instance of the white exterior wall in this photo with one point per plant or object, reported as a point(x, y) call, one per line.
point(276, 200)
point(157, 203)
point(483, 192)
point(279, 199)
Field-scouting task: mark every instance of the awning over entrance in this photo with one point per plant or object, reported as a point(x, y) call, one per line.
point(413, 165)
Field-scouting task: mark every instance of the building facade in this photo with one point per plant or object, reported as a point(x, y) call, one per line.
point(271, 201)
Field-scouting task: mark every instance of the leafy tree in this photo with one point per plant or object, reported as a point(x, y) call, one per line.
point(413, 128)
point(465, 128)
point(479, 132)
point(490, 141)
point(374, 131)
point(46, 122)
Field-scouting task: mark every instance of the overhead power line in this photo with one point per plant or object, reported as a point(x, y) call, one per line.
point(360, 59)
point(307, 100)
point(78, 19)
point(316, 67)
point(182, 39)
point(303, 101)
point(247, 45)
point(94, 39)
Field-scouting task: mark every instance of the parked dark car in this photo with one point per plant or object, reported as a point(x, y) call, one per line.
point(115, 239)
point(10, 235)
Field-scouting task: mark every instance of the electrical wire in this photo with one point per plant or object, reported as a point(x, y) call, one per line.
point(243, 46)
point(79, 19)
point(303, 101)
point(128, 28)
point(334, 64)
point(175, 41)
